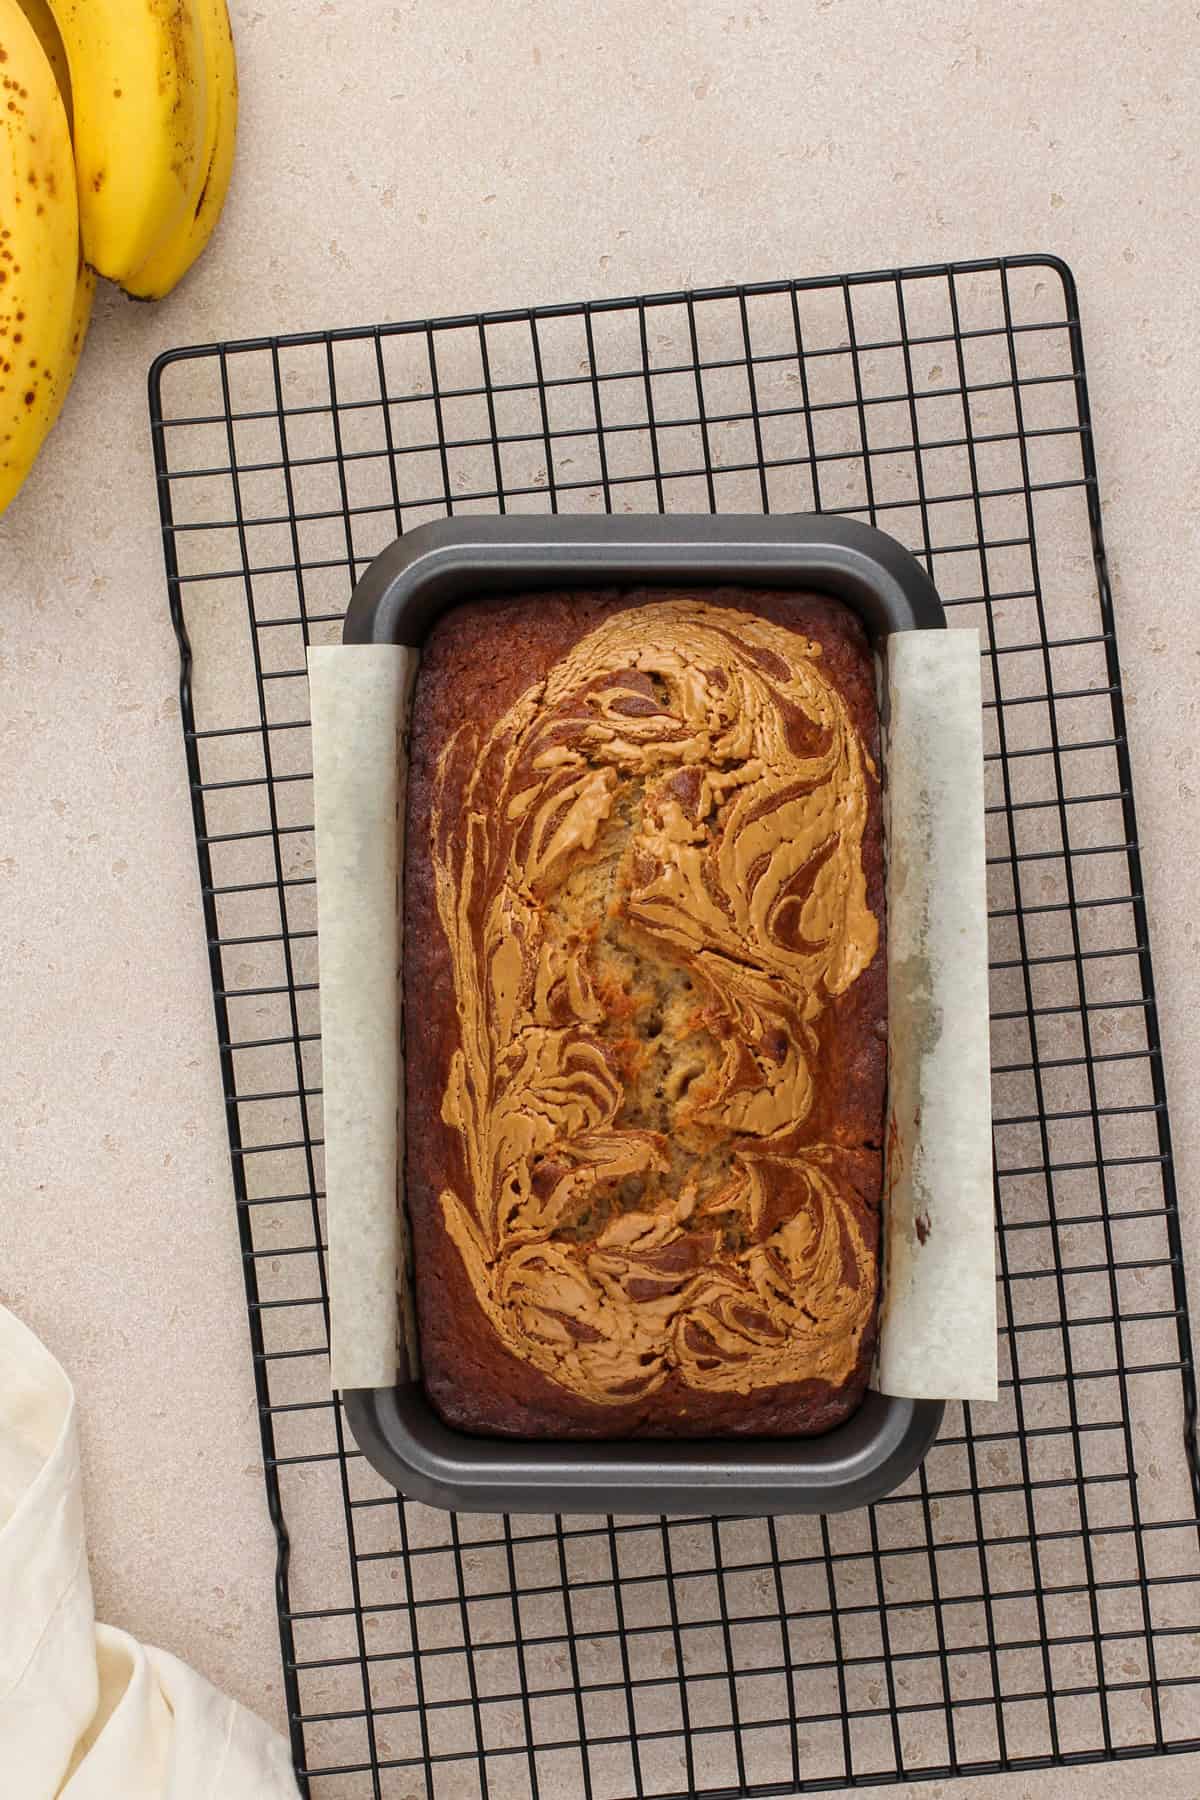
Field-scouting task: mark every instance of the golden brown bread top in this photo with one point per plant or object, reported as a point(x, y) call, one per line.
point(653, 888)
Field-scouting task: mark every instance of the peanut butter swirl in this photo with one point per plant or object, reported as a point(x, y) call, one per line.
point(681, 800)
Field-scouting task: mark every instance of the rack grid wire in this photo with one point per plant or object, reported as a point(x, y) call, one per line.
point(1032, 1595)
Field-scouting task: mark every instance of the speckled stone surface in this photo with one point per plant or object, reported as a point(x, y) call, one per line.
point(410, 159)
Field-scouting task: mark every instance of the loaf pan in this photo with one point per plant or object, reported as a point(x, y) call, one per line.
point(403, 592)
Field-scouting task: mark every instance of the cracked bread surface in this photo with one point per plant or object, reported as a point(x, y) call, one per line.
point(645, 1013)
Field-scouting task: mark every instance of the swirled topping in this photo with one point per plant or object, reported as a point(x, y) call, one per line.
point(649, 873)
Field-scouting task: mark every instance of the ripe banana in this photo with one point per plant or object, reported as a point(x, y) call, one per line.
point(42, 19)
point(44, 300)
point(139, 87)
point(175, 256)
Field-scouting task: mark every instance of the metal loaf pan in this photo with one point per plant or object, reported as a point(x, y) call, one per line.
point(403, 592)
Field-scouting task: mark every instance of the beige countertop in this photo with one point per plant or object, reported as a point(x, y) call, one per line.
point(405, 160)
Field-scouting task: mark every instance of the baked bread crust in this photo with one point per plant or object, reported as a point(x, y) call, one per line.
point(648, 1341)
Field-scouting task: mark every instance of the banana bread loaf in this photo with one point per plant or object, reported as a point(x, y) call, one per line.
point(645, 1004)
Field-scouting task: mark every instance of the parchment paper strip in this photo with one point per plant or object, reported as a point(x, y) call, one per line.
point(359, 698)
point(938, 1325)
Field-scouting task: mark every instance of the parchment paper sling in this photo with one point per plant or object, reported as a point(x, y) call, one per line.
point(938, 1317)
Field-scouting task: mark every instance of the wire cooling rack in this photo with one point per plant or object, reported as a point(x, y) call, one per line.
point(1032, 1595)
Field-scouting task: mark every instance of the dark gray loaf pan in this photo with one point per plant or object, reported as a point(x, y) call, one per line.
point(403, 592)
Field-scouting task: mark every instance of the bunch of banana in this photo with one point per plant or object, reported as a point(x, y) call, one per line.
point(117, 128)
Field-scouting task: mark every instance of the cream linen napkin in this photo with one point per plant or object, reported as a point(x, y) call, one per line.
point(86, 1712)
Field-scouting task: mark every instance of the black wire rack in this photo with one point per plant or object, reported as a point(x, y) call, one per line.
point(1032, 1595)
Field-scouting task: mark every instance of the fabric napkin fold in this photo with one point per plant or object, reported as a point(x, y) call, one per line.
point(86, 1712)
